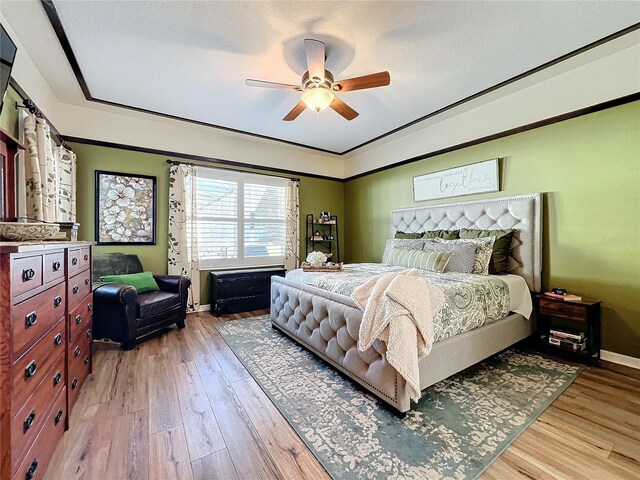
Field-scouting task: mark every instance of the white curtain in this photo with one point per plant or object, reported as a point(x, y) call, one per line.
point(292, 238)
point(49, 176)
point(40, 171)
point(66, 191)
point(183, 242)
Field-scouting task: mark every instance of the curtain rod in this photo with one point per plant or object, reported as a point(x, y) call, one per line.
point(34, 110)
point(175, 162)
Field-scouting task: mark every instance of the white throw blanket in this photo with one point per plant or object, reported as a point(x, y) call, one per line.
point(398, 309)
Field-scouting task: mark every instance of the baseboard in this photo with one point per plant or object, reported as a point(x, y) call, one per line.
point(205, 308)
point(620, 359)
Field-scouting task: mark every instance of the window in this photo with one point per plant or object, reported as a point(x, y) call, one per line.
point(240, 218)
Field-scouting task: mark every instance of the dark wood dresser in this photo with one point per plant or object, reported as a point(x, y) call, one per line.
point(236, 291)
point(45, 348)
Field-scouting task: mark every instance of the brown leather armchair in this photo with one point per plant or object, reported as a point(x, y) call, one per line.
point(121, 314)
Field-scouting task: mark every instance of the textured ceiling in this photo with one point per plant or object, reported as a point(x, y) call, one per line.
point(190, 59)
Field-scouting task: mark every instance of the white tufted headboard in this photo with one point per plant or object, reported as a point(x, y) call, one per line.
point(522, 213)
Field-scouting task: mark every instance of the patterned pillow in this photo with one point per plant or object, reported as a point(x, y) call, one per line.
point(415, 244)
point(430, 261)
point(462, 260)
point(484, 249)
point(501, 248)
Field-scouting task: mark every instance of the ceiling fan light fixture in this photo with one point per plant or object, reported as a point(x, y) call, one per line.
point(318, 98)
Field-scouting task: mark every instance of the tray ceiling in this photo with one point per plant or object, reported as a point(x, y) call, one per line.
point(190, 59)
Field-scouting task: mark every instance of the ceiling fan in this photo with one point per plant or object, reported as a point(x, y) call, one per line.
point(319, 87)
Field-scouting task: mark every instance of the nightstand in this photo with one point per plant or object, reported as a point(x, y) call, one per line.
point(585, 314)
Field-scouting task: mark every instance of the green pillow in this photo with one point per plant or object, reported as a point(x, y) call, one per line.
point(143, 282)
point(445, 234)
point(406, 235)
point(499, 263)
point(430, 261)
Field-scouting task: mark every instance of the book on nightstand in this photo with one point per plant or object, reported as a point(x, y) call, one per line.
point(568, 297)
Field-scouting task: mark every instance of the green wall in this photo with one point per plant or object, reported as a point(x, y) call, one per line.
point(315, 195)
point(589, 168)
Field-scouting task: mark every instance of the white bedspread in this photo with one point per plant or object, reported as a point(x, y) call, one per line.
point(519, 294)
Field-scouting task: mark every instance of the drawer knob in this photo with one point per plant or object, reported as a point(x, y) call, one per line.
point(75, 289)
point(31, 472)
point(74, 384)
point(78, 319)
point(86, 281)
point(57, 378)
point(88, 332)
point(86, 360)
point(57, 301)
point(56, 266)
point(86, 257)
point(30, 320)
point(74, 261)
point(28, 274)
point(58, 417)
point(76, 352)
point(57, 340)
point(28, 422)
point(30, 370)
point(89, 306)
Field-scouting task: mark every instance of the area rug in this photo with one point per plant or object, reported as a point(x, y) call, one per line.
point(456, 430)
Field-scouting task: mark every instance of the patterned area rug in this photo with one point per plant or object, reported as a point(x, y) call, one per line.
point(457, 429)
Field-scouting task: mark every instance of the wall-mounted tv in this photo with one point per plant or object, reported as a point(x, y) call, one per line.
point(7, 56)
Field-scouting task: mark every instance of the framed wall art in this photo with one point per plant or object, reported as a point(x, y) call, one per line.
point(125, 209)
point(478, 177)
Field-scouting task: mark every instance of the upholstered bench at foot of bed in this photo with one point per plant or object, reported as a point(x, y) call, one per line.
point(328, 325)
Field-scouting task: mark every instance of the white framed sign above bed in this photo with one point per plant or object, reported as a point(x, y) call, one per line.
point(478, 177)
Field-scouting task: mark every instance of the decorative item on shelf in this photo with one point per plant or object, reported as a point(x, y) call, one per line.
point(28, 231)
point(317, 236)
point(323, 267)
point(316, 259)
point(70, 229)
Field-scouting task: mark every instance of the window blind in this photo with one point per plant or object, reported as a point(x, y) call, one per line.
point(240, 219)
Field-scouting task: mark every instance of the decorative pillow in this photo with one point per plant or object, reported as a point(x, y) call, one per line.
point(462, 259)
point(143, 282)
point(415, 244)
point(430, 261)
point(446, 234)
point(501, 247)
point(484, 249)
point(406, 235)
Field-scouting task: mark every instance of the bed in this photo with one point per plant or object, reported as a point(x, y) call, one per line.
point(315, 309)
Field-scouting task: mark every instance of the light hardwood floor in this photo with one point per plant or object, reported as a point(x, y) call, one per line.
point(182, 406)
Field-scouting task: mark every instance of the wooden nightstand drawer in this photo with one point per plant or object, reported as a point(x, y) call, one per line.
point(561, 308)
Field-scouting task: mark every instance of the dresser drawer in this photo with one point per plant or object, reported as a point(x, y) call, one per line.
point(29, 420)
point(79, 360)
point(562, 309)
point(53, 266)
point(85, 258)
point(32, 318)
point(35, 462)
point(31, 368)
point(26, 274)
point(73, 261)
point(80, 317)
point(78, 287)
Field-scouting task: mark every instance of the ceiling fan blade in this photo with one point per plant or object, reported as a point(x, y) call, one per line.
point(293, 114)
point(314, 50)
point(280, 86)
point(380, 79)
point(343, 109)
